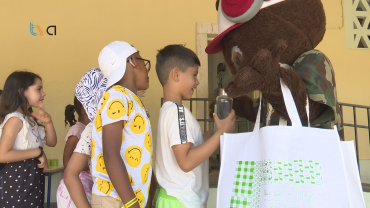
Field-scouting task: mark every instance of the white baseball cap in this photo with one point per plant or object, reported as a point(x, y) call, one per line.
point(112, 60)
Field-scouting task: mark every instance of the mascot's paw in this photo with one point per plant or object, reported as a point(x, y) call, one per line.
point(262, 73)
point(267, 61)
point(277, 48)
point(233, 91)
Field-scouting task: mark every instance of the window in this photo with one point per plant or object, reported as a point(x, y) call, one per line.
point(357, 19)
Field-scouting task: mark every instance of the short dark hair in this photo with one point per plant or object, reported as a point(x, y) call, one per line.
point(173, 56)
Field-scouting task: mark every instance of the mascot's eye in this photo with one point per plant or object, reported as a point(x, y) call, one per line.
point(236, 56)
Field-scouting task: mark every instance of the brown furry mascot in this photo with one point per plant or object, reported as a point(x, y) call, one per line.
point(265, 40)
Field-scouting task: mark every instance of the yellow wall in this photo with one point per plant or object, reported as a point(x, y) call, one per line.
point(352, 72)
point(85, 27)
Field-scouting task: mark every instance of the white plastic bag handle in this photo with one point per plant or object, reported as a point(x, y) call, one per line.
point(283, 122)
point(258, 119)
point(290, 106)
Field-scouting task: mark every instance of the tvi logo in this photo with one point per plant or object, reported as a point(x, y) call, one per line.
point(41, 31)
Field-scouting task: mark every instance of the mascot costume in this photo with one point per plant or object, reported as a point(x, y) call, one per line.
point(265, 40)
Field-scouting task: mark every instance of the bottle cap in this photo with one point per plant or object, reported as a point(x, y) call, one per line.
point(221, 91)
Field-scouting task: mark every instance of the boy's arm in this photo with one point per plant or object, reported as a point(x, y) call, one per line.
point(188, 158)
point(73, 182)
point(208, 134)
point(112, 140)
point(153, 188)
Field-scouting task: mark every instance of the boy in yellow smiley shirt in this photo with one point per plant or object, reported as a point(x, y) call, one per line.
point(121, 152)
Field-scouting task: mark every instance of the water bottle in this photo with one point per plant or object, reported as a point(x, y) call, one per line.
point(223, 105)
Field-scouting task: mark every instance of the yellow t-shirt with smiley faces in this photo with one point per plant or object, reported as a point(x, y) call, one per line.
point(120, 104)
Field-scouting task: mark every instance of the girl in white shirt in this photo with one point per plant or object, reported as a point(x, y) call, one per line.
point(23, 134)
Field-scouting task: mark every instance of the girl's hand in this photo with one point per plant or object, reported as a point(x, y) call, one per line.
point(43, 116)
point(43, 162)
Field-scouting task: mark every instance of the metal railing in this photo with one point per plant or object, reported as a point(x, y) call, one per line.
point(355, 125)
point(206, 120)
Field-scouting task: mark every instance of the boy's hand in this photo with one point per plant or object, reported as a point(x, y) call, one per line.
point(43, 162)
point(226, 125)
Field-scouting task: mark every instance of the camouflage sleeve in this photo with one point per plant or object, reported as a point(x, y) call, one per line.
point(317, 73)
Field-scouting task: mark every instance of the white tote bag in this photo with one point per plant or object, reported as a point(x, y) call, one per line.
point(288, 166)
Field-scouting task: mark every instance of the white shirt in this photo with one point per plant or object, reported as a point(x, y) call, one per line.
point(190, 188)
point(84, 144)
point(31, 136)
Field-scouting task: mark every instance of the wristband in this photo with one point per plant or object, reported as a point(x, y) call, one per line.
point(130, 203)
point(41, 153)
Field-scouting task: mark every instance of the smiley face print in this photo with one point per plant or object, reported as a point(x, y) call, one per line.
point(100, 165)
point(140, 197)
point(133, 155)
point(104, 186)
point(138, 125)
point(121, 89)
point(92, 148)
point(137, 99)
point(116, 109)
point(98, 122)
point(145, 173)
point(132, 182)
point(104, 100)
point(131, 107)
point(148, 142)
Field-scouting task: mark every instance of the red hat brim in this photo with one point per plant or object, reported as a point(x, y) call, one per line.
point(215, 45)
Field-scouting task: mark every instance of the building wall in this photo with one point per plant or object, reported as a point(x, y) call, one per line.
point(85, 27)
point(351, 66)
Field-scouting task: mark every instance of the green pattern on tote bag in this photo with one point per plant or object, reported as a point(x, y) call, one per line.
point(251, 175)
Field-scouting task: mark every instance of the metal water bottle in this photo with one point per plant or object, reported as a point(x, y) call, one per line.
point(223, 105)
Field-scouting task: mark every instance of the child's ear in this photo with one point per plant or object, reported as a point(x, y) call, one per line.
point(20, 91)
point(133, 60)
point(175, 74)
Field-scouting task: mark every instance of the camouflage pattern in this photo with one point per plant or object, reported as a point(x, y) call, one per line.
point(317, 73)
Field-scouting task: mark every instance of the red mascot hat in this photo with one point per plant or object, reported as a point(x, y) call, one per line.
point(232, 14)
